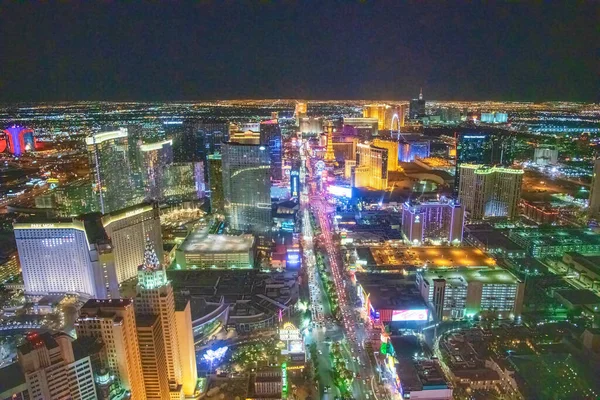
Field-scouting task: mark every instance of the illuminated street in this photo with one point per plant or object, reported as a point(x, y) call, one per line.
point(349, 200)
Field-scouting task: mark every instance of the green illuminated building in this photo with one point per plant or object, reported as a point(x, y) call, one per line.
point(554, 242)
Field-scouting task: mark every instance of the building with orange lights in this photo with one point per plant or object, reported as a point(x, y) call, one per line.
point(389, 117)
point(113, 322)
point(53, 371)
point(540, 212)
point(155, 297)
point(371, 167)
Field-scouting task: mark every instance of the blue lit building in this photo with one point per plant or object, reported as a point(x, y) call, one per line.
point(295, 182)
point(412, 149)
point(270, 135)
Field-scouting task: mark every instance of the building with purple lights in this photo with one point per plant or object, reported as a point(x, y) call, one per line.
point(433, 221)
point(20, 139)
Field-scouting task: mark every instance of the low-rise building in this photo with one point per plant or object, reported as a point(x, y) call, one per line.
point(421, 380)
point(201, 249)
point(556, 241)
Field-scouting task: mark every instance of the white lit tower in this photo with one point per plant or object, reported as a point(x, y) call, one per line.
point(155, 297)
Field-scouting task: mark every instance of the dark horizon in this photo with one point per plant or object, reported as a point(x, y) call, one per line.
point(299, 50)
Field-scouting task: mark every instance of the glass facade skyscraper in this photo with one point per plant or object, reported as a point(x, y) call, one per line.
point(215, 182)
point(183, 182)
point(110, 164)
point(487, 148)
point(270, 135)
point(157, 158)
point(247, 187)
point(196, 139)
point(483, 148)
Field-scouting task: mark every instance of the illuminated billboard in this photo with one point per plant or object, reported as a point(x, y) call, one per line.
point(295, 183)
point(340, 191)
point(293, 258)
point(410, 315)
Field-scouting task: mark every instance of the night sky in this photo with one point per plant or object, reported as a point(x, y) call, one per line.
point(299, 49)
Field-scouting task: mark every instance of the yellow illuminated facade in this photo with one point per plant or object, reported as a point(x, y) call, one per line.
point(388, 117)
point(113, 322)
point(329, 156)
point(372, 167)
point(128, 230)
point(392, 148)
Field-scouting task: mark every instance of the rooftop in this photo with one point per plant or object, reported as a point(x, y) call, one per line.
point(35, 340)
point(12, 377)
point(492, 238)
point(592, 263)
point(431, 256)
point(99, 303)
point(579, 296)
point(422, 375)
point(391, 291)
point(489, 276)
point(201, 241)
point(145, 321)
point(556, 236)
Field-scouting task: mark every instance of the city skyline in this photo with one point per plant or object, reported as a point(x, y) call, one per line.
point(504, 51)
point(157, 244)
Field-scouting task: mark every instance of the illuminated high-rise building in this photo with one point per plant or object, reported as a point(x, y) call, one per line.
point(490, 148)
point(364, 128)
point(52, 370)
point(300, 110)
point(389, 117)
point(75, 198)
point(152, 356)
point(20, 139)
point(196, 139)
point(417, 107)
point(486, 191)
point(109, 159)
point(392, 148)
point(186, 346)
point(128, 230)
point(247, 186)
point(155, 297)
point(157, 157)
point(270, 135)
point(113, 323)
point(494, 117)
point(184, 182)
point(483, 148)
point(66, 256)
point(594, 200)
point(215, 183)
point(135, 139)
point(436, 221)
point(371, 167)
point(376, 111)
point(402, 113)
point(295, 189)
point(410, 149)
